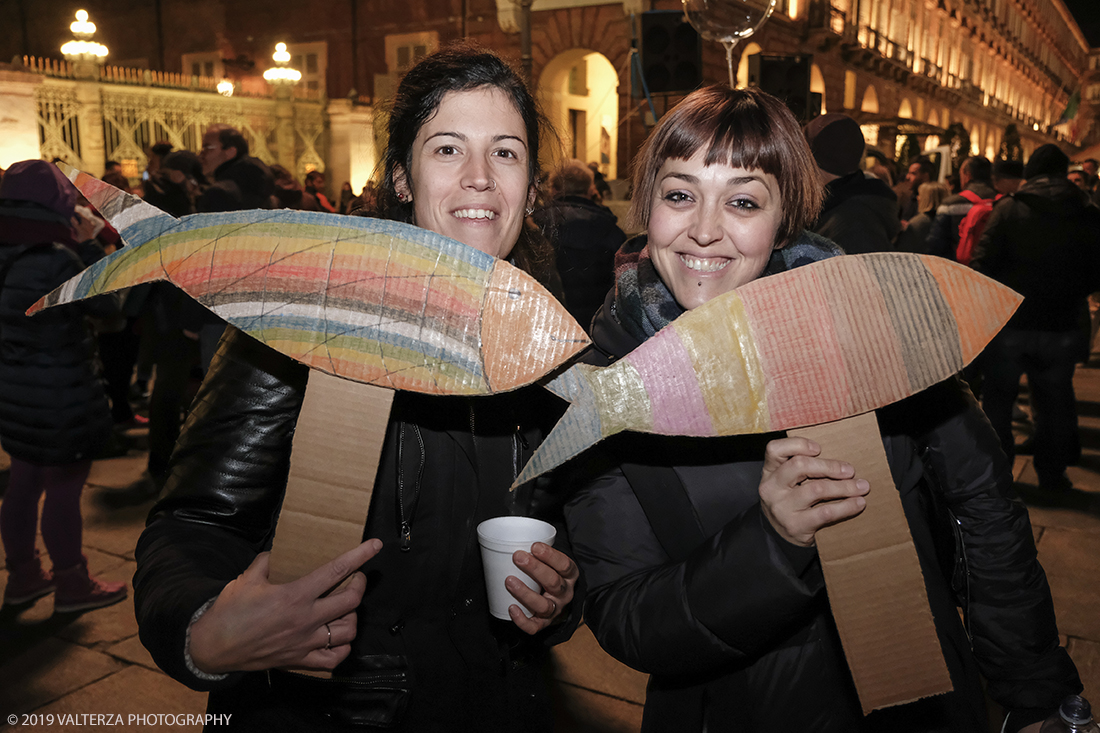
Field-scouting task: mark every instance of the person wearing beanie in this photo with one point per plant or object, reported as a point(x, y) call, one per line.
point(860, 212)
point(1008, 176)
point(975, 183)
point(1043, 242)
point(54, 412)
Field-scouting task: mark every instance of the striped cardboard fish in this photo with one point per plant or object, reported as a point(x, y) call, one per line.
point(374, 301)
point(838, 338)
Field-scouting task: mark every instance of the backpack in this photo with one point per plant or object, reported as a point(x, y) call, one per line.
point(972, 225)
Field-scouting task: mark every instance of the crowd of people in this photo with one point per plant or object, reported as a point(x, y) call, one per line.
point(691, 559)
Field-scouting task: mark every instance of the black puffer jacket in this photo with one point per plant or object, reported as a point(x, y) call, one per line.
point(586, 237)
point(689, 582)
point(53, 407)
point(1043, 242)
point(860, 214)
point(425, 639)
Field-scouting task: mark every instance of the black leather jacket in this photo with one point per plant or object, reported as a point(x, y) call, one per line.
point(427, 656)
point(689, 582)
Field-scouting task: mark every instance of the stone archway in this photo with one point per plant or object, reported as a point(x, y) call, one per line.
point(870, 100)
point(817, 84)
point(579, 91)
point(743, 64)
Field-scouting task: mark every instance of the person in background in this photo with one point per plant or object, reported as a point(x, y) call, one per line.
point(177, 185)
point(1044, 243)
point(975, 182)
point(154, 156)
point(174, 190)
point(54, 412)
point(700, 553)
point(1090, 166)
point(238, 182)
point(415, 649)
point(347, 196)
point(603, 190)
point(315, 186)
point(1008, 175)
point(112, 174)
point(1079, 178)
point(860, 213)
point(289, 194)
point(366, 203)
point(914, 238)
point(921, 171)
point(585, 236)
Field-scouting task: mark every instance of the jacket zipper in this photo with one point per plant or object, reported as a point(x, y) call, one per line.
point(406, 519)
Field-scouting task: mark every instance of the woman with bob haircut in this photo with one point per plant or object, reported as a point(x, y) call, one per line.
point(409, 636)
point(699, 553)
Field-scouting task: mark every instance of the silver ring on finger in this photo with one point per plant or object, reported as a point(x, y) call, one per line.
point(328, 644)
point(553, 608)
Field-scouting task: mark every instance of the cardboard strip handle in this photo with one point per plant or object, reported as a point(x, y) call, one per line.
point(874, 580)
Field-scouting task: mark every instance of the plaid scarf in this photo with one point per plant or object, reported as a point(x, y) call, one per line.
point(643, 305)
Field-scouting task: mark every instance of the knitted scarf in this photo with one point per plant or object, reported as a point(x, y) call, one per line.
point(644, 305)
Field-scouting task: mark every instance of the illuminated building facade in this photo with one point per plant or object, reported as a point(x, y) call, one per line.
point(901, 67)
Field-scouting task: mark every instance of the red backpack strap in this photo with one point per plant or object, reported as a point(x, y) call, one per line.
point(971, 196)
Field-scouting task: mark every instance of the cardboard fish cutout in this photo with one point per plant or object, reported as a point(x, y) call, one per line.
point(373, 301)
point(819, 343)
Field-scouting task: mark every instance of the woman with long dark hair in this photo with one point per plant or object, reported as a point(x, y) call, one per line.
point(410, 638)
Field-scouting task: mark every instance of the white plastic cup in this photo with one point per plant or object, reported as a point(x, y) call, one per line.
point(499, 538)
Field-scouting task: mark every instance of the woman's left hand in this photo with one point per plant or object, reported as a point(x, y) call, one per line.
point(555, 572)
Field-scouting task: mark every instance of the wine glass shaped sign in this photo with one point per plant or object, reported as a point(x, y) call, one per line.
point(728, 21)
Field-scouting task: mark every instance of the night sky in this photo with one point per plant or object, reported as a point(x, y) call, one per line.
point(1087, 13)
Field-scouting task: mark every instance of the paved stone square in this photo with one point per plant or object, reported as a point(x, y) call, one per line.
point(93, 663)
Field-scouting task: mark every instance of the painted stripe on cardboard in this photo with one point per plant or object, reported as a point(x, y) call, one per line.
point(807, 381)
point(867, 337)
point(722, 341)
point(926, 327)
point(676, 401)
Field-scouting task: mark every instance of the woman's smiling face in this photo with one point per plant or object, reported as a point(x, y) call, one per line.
point(469, 171)
point(712, 228)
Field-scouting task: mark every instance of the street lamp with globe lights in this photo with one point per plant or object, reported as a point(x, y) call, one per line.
point(282, 76)
point(83, 52)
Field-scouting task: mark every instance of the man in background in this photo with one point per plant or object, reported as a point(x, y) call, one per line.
point(1008, 176)
point(238, 181)
point(585, 236)
point(975, 183)
point(315, 187)
point(1044, 243)
point(921, 170)
point(860, 212)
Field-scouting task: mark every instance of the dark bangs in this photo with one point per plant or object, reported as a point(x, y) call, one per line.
point(744, 128)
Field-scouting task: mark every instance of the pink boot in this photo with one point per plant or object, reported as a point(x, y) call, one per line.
point(27, 582)
point(77, 590)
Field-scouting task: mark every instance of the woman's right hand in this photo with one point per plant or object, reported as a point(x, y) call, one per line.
point(255, 624)
point(800, 493)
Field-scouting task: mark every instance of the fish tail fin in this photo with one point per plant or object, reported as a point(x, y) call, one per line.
point(136, 221)
point(123, 268)
point(579, 428)
point(567, 384)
